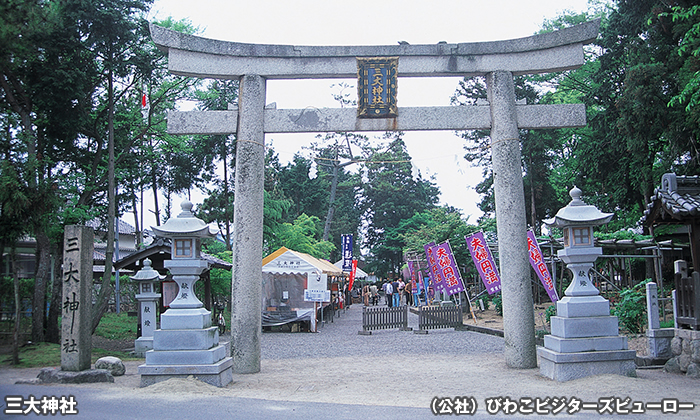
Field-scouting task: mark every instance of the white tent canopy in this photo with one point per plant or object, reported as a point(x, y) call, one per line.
point(359, 273)
point(286, 274)
point(286, 261)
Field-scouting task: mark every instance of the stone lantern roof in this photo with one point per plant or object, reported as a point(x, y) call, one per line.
point(577, 212)
point(185, 224)
point(147, 273)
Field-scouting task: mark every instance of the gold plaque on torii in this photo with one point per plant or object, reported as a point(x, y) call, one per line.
point(376, 87)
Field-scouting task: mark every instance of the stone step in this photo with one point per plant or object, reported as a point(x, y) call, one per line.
point(186, 357)
point(575, 345)
point(593, 326)
point(201, 339)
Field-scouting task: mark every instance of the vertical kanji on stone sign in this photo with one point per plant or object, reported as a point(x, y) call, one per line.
point(76, 338)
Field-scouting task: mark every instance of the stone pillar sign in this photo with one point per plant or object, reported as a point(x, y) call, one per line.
point(76, 338)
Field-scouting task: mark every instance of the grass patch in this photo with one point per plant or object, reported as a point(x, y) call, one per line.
point(666, 324)
point(115, 326)
point(49, 354)
point(112, 326)
point(35, 355)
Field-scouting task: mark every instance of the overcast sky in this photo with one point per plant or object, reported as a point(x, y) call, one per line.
point(377, 22)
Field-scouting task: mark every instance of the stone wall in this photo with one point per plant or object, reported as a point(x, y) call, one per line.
point(685, 347)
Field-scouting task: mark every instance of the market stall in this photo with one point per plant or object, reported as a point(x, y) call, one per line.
point(287, 275)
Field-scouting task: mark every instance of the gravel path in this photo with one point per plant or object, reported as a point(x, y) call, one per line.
point(341, 339)
point(393, 368)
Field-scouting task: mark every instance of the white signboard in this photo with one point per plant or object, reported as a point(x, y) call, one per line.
point(317, 281)
point(317, 295)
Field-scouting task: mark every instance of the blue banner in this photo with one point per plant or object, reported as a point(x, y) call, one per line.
point(347, 253)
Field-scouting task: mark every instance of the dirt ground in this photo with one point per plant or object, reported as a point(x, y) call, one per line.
point(490, 319)
point(374, 382)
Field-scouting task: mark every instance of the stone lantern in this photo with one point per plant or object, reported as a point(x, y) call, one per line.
point(186, 343)
point(577, 221)
point(585, 338)
point(186, 233)
point(147, 297)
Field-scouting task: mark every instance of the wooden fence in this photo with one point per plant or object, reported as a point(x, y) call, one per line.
point(688, 300)
point(433, 317)
point(378, 318)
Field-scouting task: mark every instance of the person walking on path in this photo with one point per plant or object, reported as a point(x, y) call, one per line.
point(365, 294)
point(388, 292)
point(396, 293)
point(409, 296)
point(375, 295)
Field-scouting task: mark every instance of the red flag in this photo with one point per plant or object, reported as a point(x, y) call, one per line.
point(351, 278)
point(143, 101)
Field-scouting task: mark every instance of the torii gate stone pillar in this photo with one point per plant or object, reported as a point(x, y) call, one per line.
point(499, 61)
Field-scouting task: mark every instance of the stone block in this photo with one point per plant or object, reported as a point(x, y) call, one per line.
point(695, 351)
point(185, 339)
point(576, 345)
point(218, 374)
point(693, 370)
point(661, 333)
point(186, 357)
point(659, 342)
point(54, 376)
point(583, 306)
point(650, 361)
point(677, 346)
point(568, 366)
point(659, 347)
point(672, 366)
point(112, 364)
point(686, 345)
point(185, 319)
point(684, 361)
point(687, 334)
point(595, 326)
point(142, 345)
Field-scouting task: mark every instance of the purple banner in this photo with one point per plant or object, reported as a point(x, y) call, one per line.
point(484, 262)
point(435, 277)
point(412, 275)
point(419, 280)
point(537, 263)
point(447, 268)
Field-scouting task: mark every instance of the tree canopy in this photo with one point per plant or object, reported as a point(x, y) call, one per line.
point(75, 141)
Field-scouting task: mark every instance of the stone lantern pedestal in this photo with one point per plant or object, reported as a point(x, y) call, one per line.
point(147, 298)
point(186, 343)
point(585, 338)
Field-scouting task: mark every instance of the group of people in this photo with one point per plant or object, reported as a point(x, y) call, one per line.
point(396, 291)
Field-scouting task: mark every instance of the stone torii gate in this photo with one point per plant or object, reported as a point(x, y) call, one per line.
point(499, 61)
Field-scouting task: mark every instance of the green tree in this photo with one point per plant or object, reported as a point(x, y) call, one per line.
point(437, 225)
point(391, 194)
point(61, 120)
point(219, 203)
point(303, 236)
point(633, 136)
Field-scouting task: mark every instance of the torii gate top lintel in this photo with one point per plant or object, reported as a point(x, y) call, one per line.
point(191, 55)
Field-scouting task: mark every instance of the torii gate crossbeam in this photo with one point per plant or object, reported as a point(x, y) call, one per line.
point(253, 64)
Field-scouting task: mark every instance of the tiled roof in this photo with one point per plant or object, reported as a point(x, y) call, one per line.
point(677, 199)
point(100, 226)
point(100, 251)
